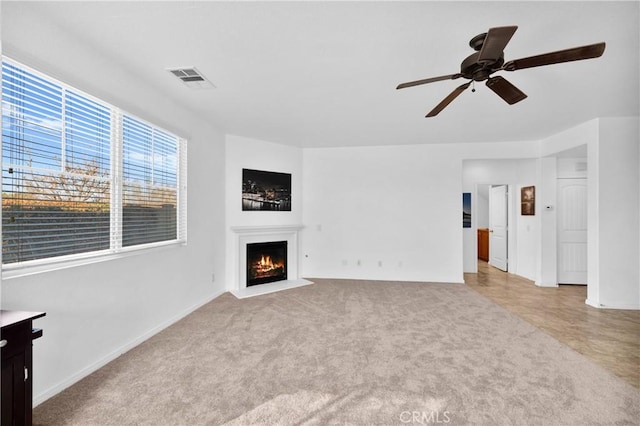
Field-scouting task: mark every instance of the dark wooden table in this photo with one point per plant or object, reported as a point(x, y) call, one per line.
point(16, 348)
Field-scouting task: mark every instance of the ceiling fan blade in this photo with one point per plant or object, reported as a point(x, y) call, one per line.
point(567, 55)
point(507, 91)
point(429, 80)
point(495, 42)
point(446, 101)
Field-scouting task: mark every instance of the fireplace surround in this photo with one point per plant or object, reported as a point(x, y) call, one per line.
point(244, 235)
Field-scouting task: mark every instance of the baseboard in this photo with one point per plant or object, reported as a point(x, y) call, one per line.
point(54, 390)
point(622, 306)
point(259, 290)
point(548, 285)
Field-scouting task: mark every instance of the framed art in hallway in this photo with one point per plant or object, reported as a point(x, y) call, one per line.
point(268, 191)
point(466, 210)
point(528, 201)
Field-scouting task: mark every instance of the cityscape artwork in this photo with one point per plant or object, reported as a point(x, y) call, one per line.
point(466, 210)
point(263, 190)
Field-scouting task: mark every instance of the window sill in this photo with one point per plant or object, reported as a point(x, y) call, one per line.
point(39, 267)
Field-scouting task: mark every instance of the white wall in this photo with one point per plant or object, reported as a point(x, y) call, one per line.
point(383, 213)
point(618, 205)
point(613, 205)
point(527, 227)
point(546, 196)
point(482, 206)
point(584, 133)
point(396, 210)
point(97, 311)
point(572, 168)
point(552, 168)
point(247, 153)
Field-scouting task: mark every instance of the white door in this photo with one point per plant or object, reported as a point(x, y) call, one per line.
point(498, 227)
point(572, 231)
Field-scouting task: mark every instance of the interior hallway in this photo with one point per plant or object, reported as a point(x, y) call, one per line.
point(610, 338)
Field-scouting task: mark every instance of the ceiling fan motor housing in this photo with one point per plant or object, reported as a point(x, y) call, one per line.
point(472, 69)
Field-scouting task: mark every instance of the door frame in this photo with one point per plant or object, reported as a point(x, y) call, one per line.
point(511, 209)
point(558, 223)
point(499, 226)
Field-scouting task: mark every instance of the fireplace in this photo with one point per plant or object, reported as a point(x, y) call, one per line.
point(266, 262)
point(241, 285)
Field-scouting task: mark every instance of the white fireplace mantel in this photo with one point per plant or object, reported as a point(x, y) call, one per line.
point(263, 234)
point(269, 229)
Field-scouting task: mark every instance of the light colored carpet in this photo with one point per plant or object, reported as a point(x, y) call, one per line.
point(349, 352)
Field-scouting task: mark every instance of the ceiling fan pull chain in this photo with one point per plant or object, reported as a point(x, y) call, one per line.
point(473, 86)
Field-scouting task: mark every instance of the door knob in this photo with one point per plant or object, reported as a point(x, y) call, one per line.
point(3, 343)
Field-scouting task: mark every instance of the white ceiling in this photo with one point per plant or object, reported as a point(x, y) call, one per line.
point(324, 73)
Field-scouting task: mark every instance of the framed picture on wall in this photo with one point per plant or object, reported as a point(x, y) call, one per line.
point(528, 201)
point(466, 210)
point(270, 191)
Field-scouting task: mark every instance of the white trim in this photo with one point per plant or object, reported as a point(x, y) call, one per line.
point(622, 306)
point(39, 266)
point(270, 229)
point(541, 284)
point(115, 214)
point(55, 389)
point(259, 290)
point(592, 303)
point(182, 189)
point(63, 129)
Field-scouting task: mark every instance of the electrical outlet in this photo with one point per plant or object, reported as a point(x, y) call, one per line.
point(358, 262)
point(380, 263)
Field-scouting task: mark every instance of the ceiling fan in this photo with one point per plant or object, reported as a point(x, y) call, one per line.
point(489, 59)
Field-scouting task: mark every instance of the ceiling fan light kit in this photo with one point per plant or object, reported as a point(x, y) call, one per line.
point(489, 59)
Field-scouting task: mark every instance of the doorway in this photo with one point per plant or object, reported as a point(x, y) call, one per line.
point(492, 207)
point(572, 231)
point(498, 226)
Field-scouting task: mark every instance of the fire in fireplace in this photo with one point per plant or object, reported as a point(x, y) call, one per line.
point(266, 262)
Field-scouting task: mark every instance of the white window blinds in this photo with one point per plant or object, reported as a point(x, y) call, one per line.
point(62, 190)
point(149, 183)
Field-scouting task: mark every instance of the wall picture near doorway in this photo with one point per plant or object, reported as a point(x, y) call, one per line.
point(466, 210)
point(528, 201)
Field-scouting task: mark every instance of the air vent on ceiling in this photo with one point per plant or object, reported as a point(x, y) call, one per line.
point(191, 77)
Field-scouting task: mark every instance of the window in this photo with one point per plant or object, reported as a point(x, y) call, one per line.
point(149, 184)
point(82, 177)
